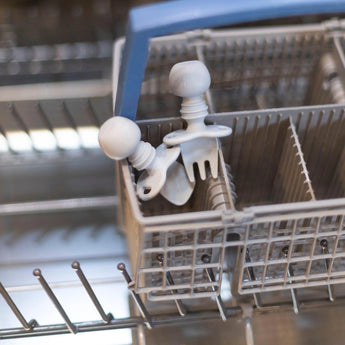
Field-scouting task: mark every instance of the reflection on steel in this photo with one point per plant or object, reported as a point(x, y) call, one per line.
point(105, 317)
point(58, 205)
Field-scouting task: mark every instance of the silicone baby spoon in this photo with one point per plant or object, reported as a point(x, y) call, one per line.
point(119, 138)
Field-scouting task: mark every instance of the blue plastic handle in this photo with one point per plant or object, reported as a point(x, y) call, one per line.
point(174, 16)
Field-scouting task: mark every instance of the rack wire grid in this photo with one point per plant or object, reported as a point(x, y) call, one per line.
point(286, 165)
point(54, 97)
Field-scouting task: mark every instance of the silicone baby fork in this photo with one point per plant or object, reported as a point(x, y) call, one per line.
point(198, 142)
point(119, 138)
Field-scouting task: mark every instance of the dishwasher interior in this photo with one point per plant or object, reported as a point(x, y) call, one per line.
point(275, 268)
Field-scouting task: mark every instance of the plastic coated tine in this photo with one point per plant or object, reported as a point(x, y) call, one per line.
point(105, 317)
point(38, 274)
point(250, 270)
point(290, 273)
point(143, 311)
point(179, 305)
point(210, 275)
point(27, 325)
point(324, 250)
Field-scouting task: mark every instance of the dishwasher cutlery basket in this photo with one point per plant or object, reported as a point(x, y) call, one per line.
point(280, 196)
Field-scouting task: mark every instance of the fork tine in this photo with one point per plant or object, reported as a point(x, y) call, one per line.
point(214, 166)
point(190, 171)
point(202, 170)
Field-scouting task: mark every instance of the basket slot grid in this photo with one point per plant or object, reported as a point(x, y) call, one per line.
point(305, 257)
point(285, 68)
point(295, 185)
point(278, 165)
point(313, 128)
point(168, 253)
point(283, 79)
point(251, 52)
point(323, 143)
point(155, 99)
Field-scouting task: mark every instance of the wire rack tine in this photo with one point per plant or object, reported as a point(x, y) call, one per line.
point(211, 277)
point(324, 250)
point(143, 311)
point(105, 317)
point(27, 325)
point(290, 273)
point(251, 273)
point(179, 305)
point(38, 274)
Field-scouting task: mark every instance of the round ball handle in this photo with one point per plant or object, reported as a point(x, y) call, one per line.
point(189, 79)
point(119, 137)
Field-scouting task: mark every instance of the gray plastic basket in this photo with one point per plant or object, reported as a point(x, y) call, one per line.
point(287, 165)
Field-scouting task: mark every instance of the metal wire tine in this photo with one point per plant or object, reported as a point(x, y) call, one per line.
point(22, 124)
point(290, 273)
point(37, 273)
point(250, 270)
point(324, 249)
point(249, 337)
point(27, 325)
point(143, 311)
point(68, 114)
point(92, 113)
point(105, 317)
point(179, 305)
point(206, 259)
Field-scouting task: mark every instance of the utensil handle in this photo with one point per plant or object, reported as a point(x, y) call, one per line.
point(173, 16)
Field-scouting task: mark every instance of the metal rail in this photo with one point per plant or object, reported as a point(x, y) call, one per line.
point(58, 205)
point(131, 322)
point(157, 321)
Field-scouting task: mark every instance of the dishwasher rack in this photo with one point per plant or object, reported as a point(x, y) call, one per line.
point(296, 154)
point(268, 241)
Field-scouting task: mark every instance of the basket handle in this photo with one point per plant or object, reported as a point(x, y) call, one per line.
point(173, 16)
